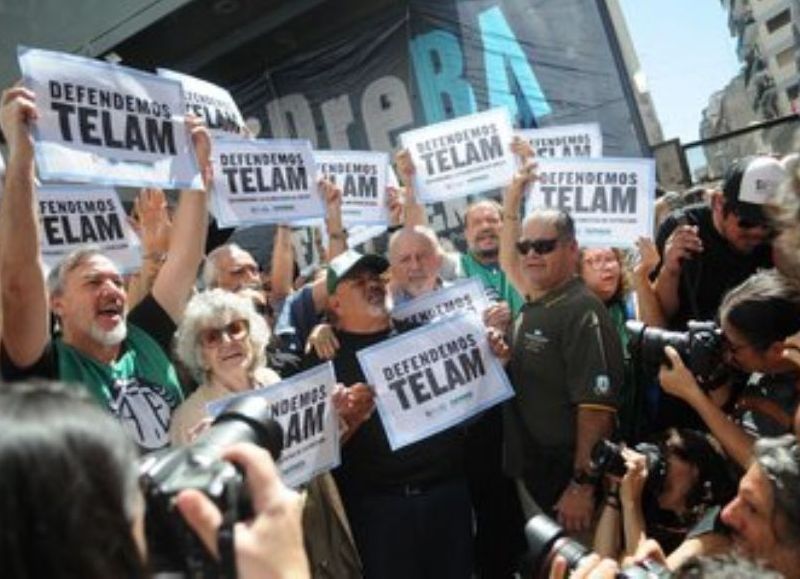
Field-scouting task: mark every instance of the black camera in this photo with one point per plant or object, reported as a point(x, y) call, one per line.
point(700, 347)
point(546, 540)
point(607, 459)
point(172, 546)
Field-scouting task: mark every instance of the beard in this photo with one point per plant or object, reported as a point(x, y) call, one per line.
point(112, 337)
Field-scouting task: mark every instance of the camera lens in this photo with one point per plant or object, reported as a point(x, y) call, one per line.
point(546, 540)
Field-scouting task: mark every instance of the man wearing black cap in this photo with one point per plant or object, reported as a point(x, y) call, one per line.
point(708, 249)
point(409, 509)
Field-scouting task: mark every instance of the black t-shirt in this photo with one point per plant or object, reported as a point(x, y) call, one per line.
point(709, 275)
point(367, 459)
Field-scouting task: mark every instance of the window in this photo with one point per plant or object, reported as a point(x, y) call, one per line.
point(786, 57)
point(779, 21)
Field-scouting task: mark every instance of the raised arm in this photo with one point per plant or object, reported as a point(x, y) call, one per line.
point(24, 294)
point(413, 211)
point(648, 307)
point(337, 235)
point(152, 224)
point(175, 281)
point(512, 214)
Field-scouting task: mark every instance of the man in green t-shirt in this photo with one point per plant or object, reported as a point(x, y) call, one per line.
point(120, 358)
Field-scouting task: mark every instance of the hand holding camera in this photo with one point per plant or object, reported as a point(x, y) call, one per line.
point(271, 544)
point(676, 379)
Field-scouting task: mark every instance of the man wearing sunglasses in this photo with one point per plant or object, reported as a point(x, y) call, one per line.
point(707, 249)
point(565, 363)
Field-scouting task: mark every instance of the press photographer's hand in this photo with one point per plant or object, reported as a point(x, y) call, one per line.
point(270, 546)
point(677, 379)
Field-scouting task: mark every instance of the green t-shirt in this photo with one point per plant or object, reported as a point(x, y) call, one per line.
point(495, 282)
point(140, 388)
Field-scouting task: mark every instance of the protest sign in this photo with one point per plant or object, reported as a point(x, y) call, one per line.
point(584, 140)
point(72, 216)
point(610, 200)
point(107, 124)
point(264, 181)
point(303, 407)
point(463, 296)
point(434, 377)
point(213, 104)
point(462, 156)
point(362, 177)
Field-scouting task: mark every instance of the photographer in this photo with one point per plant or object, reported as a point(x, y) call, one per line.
point(72, 506)
point(756, 317)
point(665, 489)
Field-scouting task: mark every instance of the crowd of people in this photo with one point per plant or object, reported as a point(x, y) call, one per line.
point(705, 465)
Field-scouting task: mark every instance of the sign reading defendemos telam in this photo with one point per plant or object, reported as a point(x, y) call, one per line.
point(610, 200)
point(107, 124)
point(264, 181)
point(72, 216)
point(211, 103)
point(362, 177)
point(432, 378)
point(463, 156)
point(466, 295)
point(302, 405)
point(583, 140)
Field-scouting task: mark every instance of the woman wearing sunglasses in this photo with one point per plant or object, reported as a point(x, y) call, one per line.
point(221, 342)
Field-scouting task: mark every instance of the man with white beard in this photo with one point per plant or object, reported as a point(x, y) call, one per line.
point(121, 358)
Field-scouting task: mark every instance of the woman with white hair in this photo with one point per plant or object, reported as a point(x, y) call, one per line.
point(221, 342)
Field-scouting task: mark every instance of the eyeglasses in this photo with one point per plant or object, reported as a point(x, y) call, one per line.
point(539, 246)
point(598, 262)
point(734, 348)
point(235, 331)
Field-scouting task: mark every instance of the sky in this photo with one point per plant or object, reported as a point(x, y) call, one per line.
point(686, 53)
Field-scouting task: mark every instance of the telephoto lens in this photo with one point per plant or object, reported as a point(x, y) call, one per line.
point(546, 540)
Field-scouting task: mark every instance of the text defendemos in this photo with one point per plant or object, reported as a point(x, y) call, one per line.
point(463, 156)
point(610, 200)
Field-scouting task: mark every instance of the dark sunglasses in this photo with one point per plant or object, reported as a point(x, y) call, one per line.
point(235, 330)
point(747, 223)
point(540, 246)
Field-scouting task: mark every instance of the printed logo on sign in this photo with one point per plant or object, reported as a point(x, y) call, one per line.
point(602, 385)
point(144, 410)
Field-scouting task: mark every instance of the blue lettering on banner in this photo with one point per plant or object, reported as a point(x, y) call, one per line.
point(510, 80)
point(439, 68)
point(503, 55)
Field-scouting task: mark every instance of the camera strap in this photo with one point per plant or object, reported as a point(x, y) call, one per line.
point(225, 548)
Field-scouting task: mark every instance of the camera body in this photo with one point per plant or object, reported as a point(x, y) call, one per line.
point(546, 540)
point(173, 546)
point(700, 347)
point(607, 459)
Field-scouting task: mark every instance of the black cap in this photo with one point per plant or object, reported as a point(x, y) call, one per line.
point(348, 262)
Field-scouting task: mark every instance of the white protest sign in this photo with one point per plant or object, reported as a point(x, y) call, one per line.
point(71, 216)
point(108, 124)
point(212, 103)
point(264, 181)
point(463, 296)
point(584, 140)
point(362, 177)
point(610, 200)
point(462, 156)
point(302, 405)
point(434, 377)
